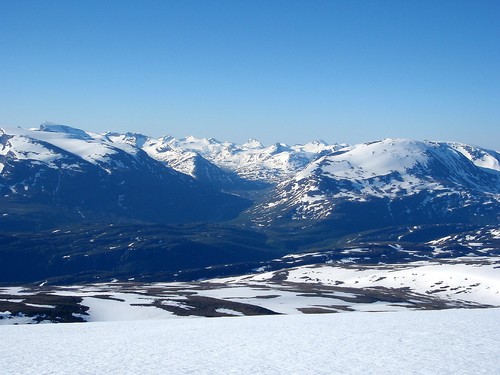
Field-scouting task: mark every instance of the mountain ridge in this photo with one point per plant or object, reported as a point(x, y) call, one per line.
point(98, 179)
point(235, 205)
point(386, 171)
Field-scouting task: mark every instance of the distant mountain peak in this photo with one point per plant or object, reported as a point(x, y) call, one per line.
point(66, 129)
point(279, 147)
point(318, 142)
point(402, 178)
point(252, 143)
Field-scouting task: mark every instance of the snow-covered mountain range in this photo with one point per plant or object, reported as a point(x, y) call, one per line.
point(268, 201)
point(250, 161)
point(65, 174)
point(393, 178)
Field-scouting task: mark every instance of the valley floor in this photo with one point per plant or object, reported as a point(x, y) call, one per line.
point(410, 342)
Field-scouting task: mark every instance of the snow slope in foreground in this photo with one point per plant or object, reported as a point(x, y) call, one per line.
point(418, 342)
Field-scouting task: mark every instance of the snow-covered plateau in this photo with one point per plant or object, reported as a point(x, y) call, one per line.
point(416, 342)
point(321, 288)
point(315, 319)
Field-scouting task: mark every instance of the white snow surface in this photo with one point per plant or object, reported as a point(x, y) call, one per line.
point(481, 158)
point(36, 145)
point(419, 342)
point(102, 310)
point(366, 160)
point(250, 160)
point(475, 279)
point(468, 282)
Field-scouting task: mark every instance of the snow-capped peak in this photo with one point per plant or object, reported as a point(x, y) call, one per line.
point(386, 169)
point(373, 159)
point(65, 129)
point(54, 142)
point(251, 160)
point(252, 143)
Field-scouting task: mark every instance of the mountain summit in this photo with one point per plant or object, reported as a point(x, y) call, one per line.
point(61, 174)
point(389, 182)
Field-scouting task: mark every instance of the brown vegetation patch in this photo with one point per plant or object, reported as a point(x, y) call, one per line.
point(65, 309)
point(207, 306)
point(315, 310)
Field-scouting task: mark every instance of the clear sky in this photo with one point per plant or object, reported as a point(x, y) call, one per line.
point(290, 71)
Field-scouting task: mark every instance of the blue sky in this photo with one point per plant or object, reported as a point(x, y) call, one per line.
point(291, 71)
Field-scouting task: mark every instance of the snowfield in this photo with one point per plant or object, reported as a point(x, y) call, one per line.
point(417, 342)
point(311, 289)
